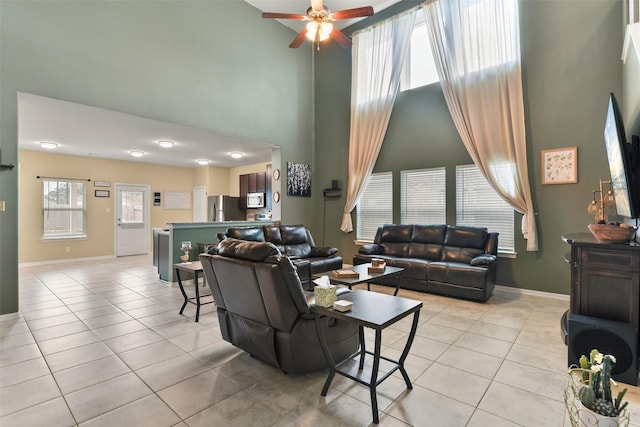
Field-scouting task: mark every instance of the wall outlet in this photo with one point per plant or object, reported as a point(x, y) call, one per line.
point(67, 248)
point(108, 210)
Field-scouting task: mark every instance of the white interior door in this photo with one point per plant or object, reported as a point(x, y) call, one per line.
point(132, 219)
point(199, 204)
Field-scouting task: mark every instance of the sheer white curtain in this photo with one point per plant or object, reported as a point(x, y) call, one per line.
point(476, 47)
point(377, 57)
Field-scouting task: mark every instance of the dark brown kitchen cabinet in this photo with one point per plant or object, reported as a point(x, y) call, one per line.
point(261, 182)
point(244, 189)
point(605, 279)
point(252, 183)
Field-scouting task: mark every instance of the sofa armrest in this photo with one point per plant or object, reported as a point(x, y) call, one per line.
point(483, 260)
point(324, 251)
point(371, 249)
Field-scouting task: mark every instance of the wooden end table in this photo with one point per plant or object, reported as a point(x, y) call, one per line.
point(376, 311)
point(364, 276)
point(195, 268)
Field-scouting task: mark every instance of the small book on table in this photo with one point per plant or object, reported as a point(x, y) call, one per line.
point(345, 273)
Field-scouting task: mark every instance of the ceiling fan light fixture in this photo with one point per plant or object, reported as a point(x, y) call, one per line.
point(314, 27)
point(48, 145)
point(163, 143)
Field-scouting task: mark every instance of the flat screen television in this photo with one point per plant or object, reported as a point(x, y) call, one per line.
point(623, 162)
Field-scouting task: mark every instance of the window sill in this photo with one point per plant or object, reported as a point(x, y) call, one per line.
point(508, 255)
point(61, 238)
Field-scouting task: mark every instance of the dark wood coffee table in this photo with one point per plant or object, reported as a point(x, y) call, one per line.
point(364, 276)
point(376, 311)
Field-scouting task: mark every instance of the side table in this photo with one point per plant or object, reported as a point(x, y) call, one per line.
point(376, 311)
point(194, 267)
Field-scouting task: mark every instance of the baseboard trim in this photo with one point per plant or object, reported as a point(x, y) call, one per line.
point(520, 291)
point(10, 316)
point(63, 261)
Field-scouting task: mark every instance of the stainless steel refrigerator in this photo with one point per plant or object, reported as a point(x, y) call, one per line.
point(225, 208)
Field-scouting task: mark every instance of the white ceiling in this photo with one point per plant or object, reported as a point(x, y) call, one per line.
point(82, 130)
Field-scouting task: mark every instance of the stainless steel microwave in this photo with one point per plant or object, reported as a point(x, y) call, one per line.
point(255, 200)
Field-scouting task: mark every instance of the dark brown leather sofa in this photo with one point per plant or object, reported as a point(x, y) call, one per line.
point(447, 260)
point(295, 242)
point(263, 309)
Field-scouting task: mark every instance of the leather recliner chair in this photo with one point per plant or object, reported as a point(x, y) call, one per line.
point(263, 309)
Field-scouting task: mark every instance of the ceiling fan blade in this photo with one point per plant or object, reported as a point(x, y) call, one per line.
point(340, 38)
point(283, 16)
point(317, 5)
point(353, 13)
point(299, 39)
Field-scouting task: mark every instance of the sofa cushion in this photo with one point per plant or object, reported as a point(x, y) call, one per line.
point(466, 237)
point(431, 234)
point(414, 268)
point(251, 251)
point(254, 234)
point(396, 233)
point(295, 241)
point(462, 244)
point(272, 234)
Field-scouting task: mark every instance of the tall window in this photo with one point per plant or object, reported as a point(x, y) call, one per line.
point(419, 67)
point(63, 209)
point(423, 196)
point(478, 204)
point(376, 205)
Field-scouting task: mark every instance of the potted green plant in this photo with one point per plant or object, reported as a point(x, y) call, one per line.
point(593, 403)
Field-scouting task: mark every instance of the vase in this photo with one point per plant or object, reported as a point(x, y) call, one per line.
point(588, 418)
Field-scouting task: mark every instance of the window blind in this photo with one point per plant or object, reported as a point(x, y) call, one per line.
point(376, 205)
point(478, 204)
point(63, 208)
point(423, 196)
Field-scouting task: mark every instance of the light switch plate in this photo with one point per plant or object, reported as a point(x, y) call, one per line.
point(1, 205)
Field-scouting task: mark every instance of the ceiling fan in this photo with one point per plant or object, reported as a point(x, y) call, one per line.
point(320, 26)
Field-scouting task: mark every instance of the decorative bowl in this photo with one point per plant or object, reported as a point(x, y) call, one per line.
point(605, 233)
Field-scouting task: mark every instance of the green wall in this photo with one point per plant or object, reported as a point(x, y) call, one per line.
point(214, 65)
point(571, 61)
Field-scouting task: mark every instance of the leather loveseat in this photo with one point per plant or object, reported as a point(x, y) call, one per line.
point(447, 260)
point(263, 309)
point(294, 242)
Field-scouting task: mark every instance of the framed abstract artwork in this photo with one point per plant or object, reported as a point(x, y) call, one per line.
point(298, 180)
point(560, 166)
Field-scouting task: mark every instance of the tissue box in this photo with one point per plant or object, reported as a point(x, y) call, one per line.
point(342, 305)
point(325, 296)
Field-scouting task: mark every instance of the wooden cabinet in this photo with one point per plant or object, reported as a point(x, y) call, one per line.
point(252, 183)
point(605, 279)
point(244, 189)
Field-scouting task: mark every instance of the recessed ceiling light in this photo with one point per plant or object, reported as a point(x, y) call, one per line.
point(165, 143)
point(48, 145)
point(202, 162)
point(236, 154)
point(136, 153)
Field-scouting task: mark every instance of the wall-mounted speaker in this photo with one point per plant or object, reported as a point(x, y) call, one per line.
point(609, 337)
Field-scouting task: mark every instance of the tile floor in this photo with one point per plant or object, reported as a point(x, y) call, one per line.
point(101, 343)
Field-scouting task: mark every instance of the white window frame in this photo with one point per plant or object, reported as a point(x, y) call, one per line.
point(423, 196)
point(375, 207)
point(49, 209)
point(478, 204)
point(419, 59)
